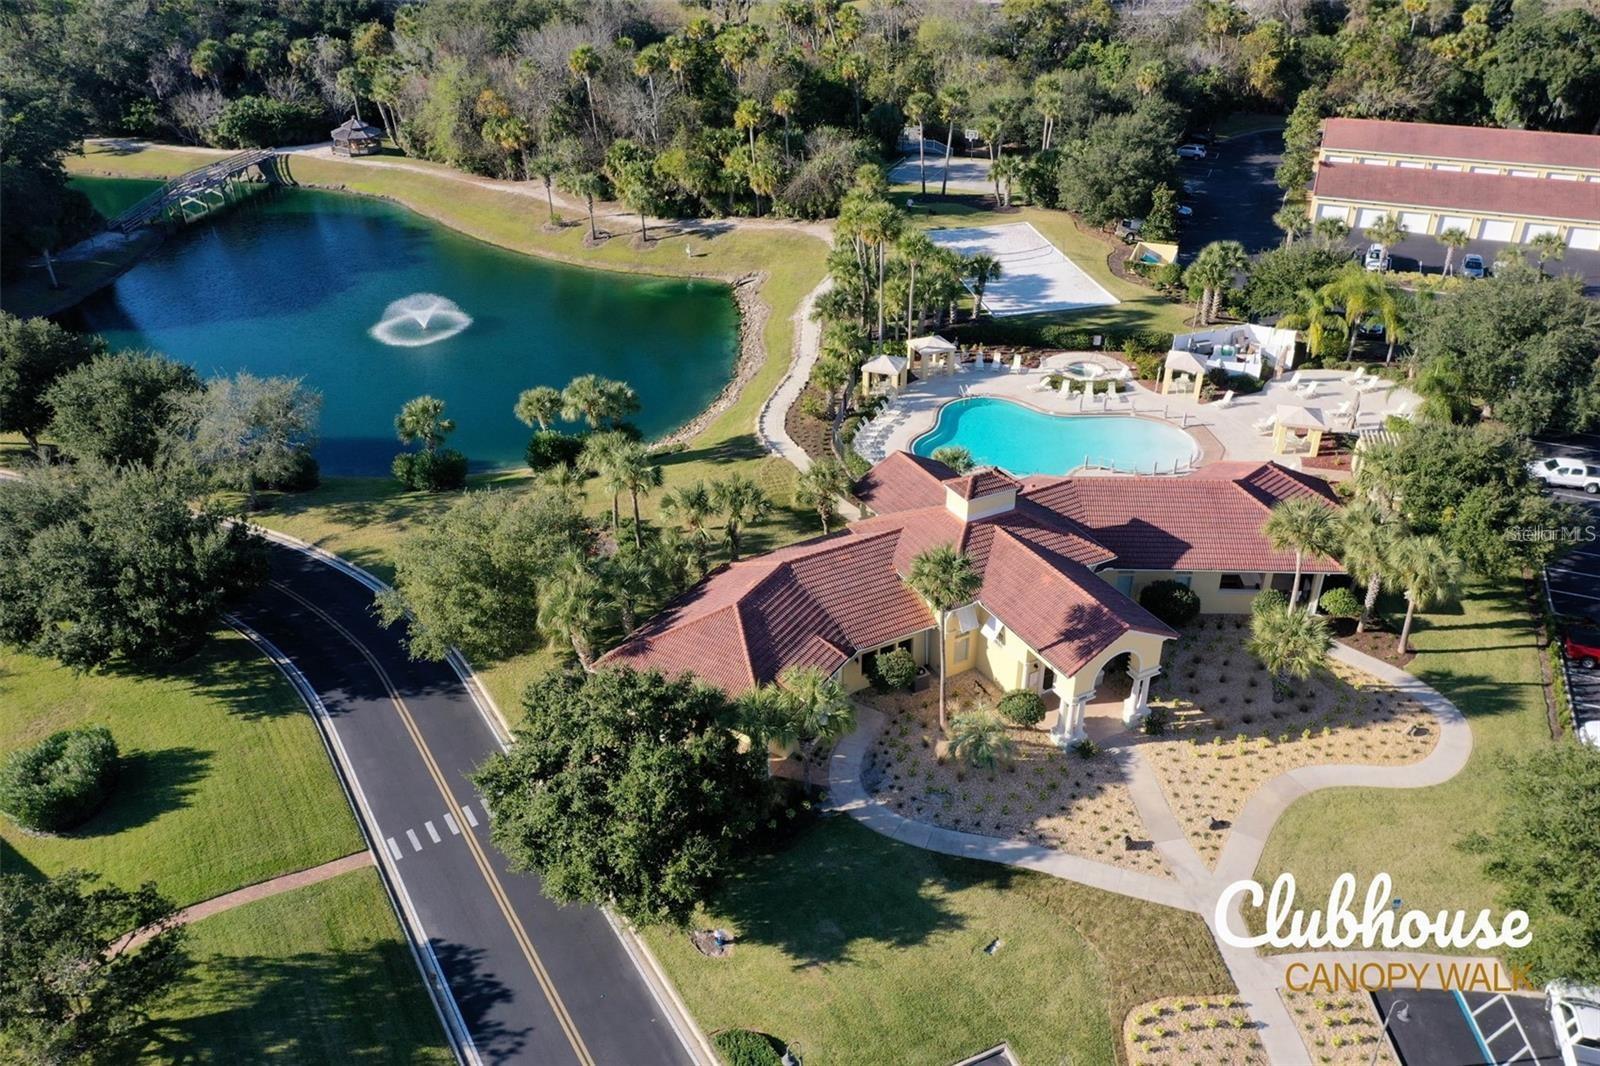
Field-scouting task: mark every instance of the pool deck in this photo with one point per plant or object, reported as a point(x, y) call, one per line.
point(1221, 432)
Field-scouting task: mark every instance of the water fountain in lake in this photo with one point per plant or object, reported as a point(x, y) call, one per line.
point(419, 319)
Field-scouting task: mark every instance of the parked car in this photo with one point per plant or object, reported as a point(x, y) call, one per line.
point(1191, 151)
point(1582, 647)
point(1575, 1014)
point(1376, 259)
point(1473, 267)
point(1128, 229)
point(1566, 474)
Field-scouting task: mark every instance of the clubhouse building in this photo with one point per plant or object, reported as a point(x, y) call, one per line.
point(1495, 184)
point(1062, 562)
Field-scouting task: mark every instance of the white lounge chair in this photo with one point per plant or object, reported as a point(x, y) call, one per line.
point(1373, 383)
point(1359, 377)
point(1227, 399)
point(1310, 391)
point(1405, 409)
point(1344, 409)
point(1042, 385)
point(1264, 425)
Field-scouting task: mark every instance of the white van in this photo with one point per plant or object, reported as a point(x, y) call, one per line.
point(1575, 1013)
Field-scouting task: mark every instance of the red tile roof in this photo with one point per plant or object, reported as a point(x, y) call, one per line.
point(1209, 520)
point(1484, 143)
point(981, 483)
point(820, 602)
point(1464, 191)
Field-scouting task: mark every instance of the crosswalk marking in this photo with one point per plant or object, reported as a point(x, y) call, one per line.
point(471, 818)
point(411, 835)
point(450, 821)
point(433, 834)
point(394, 849)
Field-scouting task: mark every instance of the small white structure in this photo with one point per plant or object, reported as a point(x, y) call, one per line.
point(884, 371)
point(930, 354)
point(1290, 422)
point(1240, 349)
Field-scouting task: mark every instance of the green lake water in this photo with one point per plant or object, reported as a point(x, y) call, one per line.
point(293, 282)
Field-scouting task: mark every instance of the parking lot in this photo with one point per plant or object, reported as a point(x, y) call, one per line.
point(1234, 193)
point(1425, 254)
point(1574, 578)
point(1469, 1029)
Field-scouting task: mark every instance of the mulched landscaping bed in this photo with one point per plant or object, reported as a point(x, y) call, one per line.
point(812, 434)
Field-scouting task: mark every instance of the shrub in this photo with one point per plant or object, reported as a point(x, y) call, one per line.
point(745, 1047)
point(1156, 721)
point(1340, 603)
point(1226, 381)
point(261, 122)
point(894, 670)
point(303, 476)
point(856, 464)
point(1268, 601)
point(433, 471)
point(978, 738)
point(1175, 604)
point(1149, 366)
point(1022, 707)
point(550, 448)
point(1084, 749)
point(814, 405)
point(60, 781)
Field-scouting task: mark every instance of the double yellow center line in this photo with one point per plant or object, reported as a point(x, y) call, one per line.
point(442, 783)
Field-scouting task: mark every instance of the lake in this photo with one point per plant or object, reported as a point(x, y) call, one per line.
point(293, 281)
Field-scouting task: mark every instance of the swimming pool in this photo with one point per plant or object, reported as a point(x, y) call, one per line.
point(1024, 441)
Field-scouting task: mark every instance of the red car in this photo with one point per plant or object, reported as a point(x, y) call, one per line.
point(1583, 647)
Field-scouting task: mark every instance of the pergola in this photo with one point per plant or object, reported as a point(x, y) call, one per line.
point(889, 370)
point(1184, 372)
point(355, 137)
point(1291, 422)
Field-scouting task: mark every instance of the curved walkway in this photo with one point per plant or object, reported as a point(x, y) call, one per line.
point(1193, 887)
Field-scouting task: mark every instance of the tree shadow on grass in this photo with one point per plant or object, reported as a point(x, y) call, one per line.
point(229, 673)
point(149, 784)
point(362, 1005)
point(838, 885)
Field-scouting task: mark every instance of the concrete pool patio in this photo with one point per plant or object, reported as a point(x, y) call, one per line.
point(1221, 431)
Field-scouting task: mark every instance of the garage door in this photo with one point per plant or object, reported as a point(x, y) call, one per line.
point(1368, 216)
point(1496, 230)
point(1460, 222)
point(1414, 221)
point(1535, 230)
point(1332, 211)
point(1586, 239)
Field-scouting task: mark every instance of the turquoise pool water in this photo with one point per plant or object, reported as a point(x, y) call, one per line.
point(1024, 441)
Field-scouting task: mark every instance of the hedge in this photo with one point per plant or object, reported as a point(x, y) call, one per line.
point(746, 1047)
point(1055, 335)
point(60, 781)
point(1021, 707)
point(431, 471)
point(1173, 603)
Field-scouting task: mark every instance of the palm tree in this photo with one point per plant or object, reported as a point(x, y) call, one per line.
point(1289, 644)
point(946, 579)
point(1366, 540)
point(584, 182)
point(746, 119)
point(584, 63)
point(1213, 272)
point(766, 715)
point(819, 488)
point(982, 269)
point(1548, 245)
point(1427, 572)
point(422, 419)
point(981, 739)
point(638, 475)
point(603, 455)
point(598, 401)
point(818, 706)
point(1304, 524)
point(1321, 321)
point(1331, 231)
point(740, 501)
point(572, 606)
point(539, 406)
point(564, 481)
point(692, 505)
point(650, 61)
point(880, 226)
point(631, 580)
point(952, 101)
point(1454, 239)
point(1387, 232)
point(1047, 98)
point(1006, 170)
point(832, 374)
point(916, 248)
point(1291, 219)
point(918, 106)
point(955, 457)
point(785, 103)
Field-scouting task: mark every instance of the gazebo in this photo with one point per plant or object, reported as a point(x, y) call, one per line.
point(1291, 421)
point(889, 370)
point(356, 138)
point(931, 351)
point(1185, 370)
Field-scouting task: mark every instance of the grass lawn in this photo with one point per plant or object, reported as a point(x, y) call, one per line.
point(1140, 308)
point(318, 975)
point(224, 780)
point(1483, 658)
point(859, 949)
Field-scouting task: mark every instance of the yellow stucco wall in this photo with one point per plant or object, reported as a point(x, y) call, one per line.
point(1207, 584)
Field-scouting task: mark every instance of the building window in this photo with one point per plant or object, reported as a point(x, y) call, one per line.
point(1124, 584)
point(1182, 579)
point(1241, 581)
point(963, 648)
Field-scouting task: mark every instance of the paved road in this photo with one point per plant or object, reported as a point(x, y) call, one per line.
point(1234, 194)
point(1424, 253)
point(1470, 1029)
point(1574, 578)
point(532, 982)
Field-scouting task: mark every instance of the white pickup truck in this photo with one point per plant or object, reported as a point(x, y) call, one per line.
point(1566, 474)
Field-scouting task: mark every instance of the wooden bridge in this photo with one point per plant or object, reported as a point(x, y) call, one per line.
point(202, 190)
